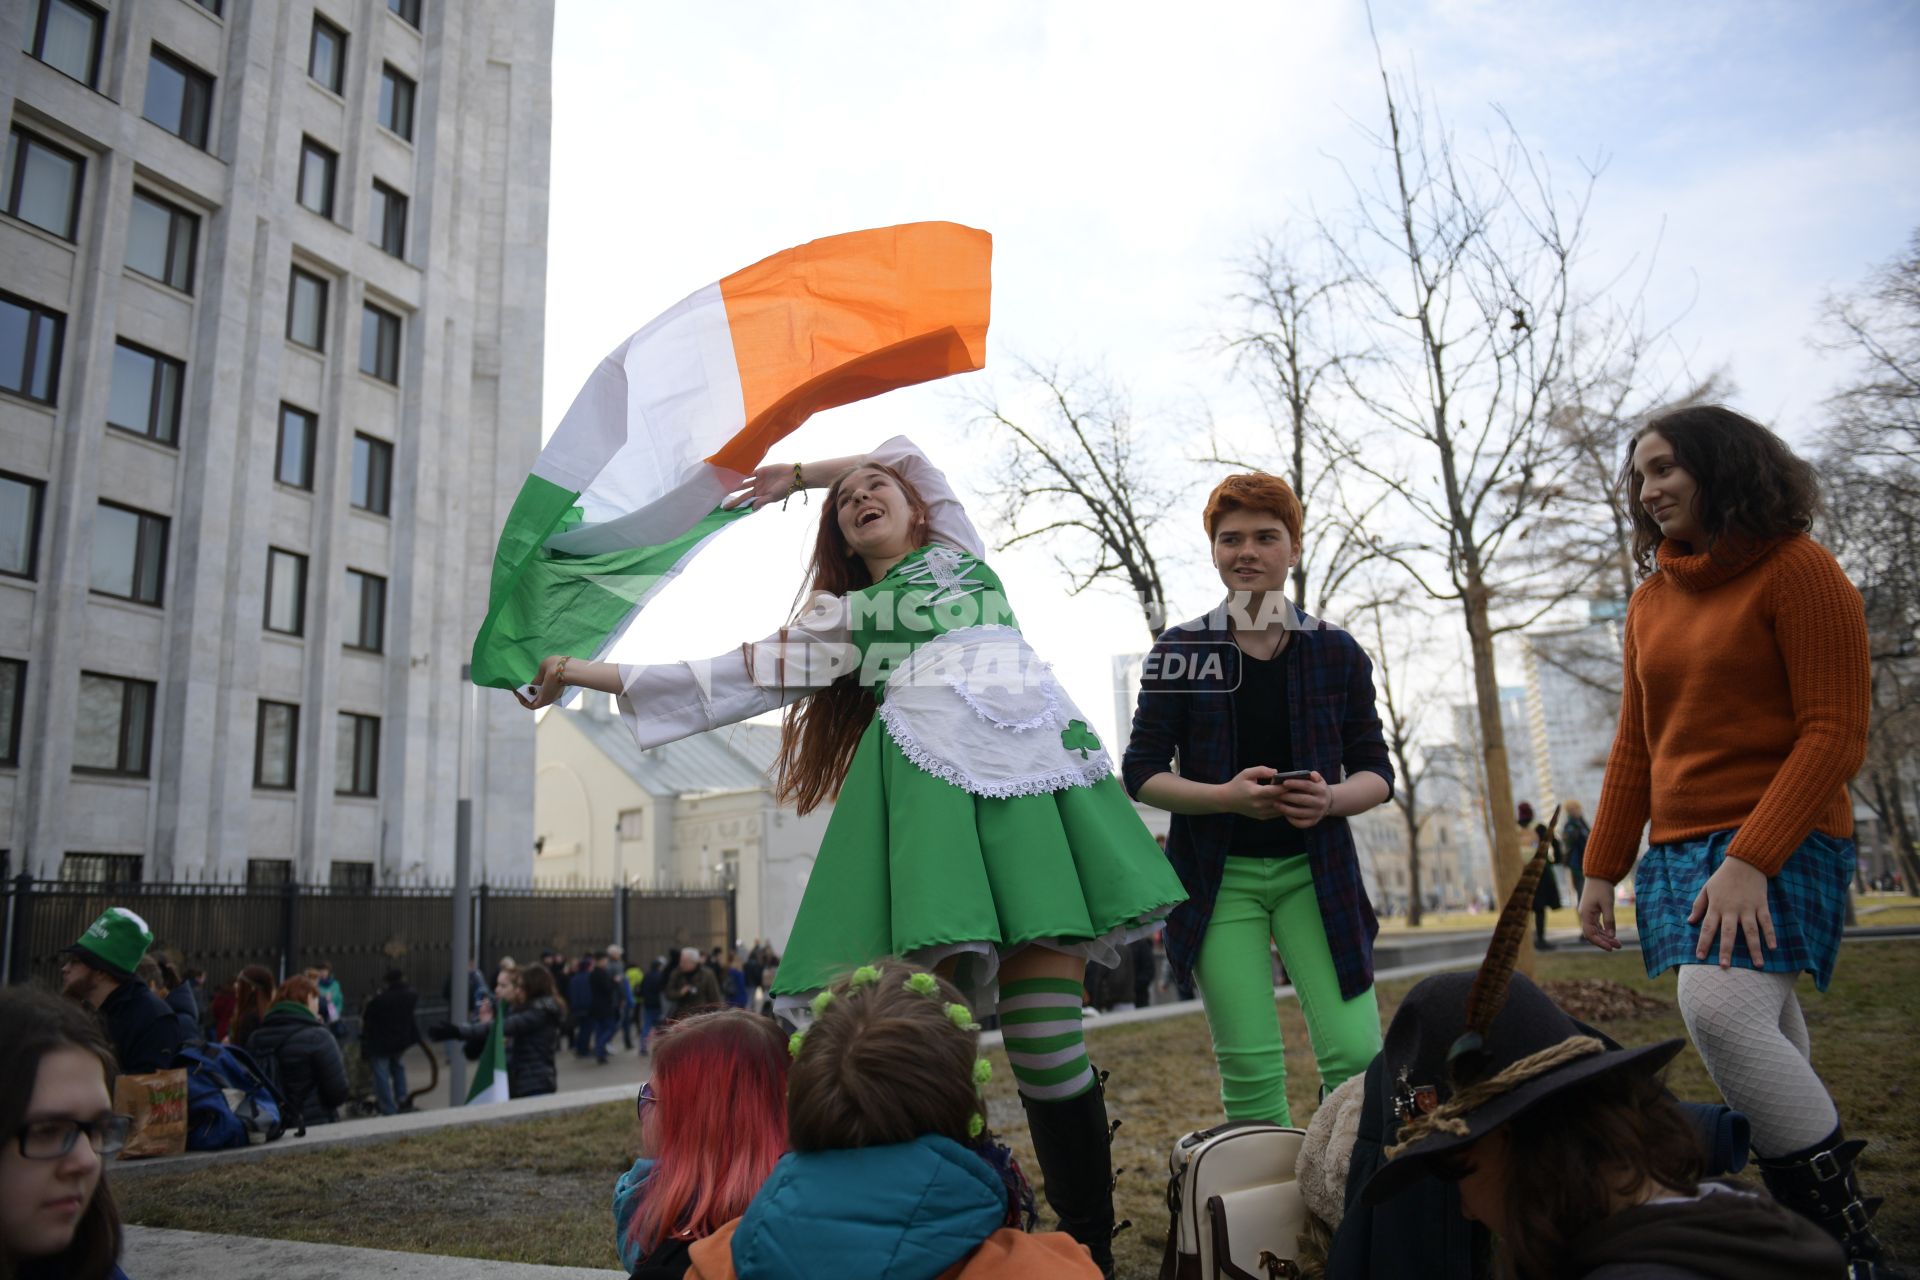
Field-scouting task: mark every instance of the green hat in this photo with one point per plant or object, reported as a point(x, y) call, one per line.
point(115, 942)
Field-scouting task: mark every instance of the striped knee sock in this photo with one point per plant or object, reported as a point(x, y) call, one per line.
point(1040, 1019)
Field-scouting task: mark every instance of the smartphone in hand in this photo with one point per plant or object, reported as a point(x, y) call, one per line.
point(1292, 775)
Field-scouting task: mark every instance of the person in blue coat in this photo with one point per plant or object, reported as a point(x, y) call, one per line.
point(889, 1174)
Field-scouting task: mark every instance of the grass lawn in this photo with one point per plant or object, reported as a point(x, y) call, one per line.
point(539, 1190)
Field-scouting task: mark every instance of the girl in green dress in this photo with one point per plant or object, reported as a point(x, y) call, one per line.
point(977, 827)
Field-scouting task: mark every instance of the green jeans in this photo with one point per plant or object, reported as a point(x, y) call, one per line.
point(1273, 898)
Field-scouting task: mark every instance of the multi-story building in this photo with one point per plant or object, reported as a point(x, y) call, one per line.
point(272, 282)
point(1456, 866)
point(1573, 704)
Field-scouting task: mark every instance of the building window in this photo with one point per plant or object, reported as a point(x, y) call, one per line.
point(317, 167)
point(269, 873)
point(20, 502)
point(211, 6)
point(30, 349)
point(396, 101)
point(357, 755)
point(631, 825)
point(100, 868)
point(327, 54)
point(41, 184)
point(129, 553)
point(13, 697)
point(67, 38)
point(179, 97)
point(307, 310)
point(275, 745)
point(146, 393)
point(160, 240)
point(350, 875)
point(286, 592)
point(113, 725)
point(293, 459)
point(380, 343)
point(372, 475)
point(389, 219)
point(366, 611)
point(408, 11)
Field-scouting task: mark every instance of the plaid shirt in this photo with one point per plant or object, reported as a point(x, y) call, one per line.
point(1186, 711)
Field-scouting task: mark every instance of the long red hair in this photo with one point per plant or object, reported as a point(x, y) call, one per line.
point(719, 1123)
point(819, 733)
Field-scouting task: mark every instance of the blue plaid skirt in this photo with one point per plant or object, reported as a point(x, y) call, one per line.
point(1808, 902)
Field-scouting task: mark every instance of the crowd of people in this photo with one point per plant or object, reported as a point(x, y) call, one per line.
point(974, 867)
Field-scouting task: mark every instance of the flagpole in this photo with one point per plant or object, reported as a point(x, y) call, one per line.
point(462, 893)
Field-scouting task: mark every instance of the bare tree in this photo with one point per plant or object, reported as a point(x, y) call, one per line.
point(1619, 372)
point(1075, 477)
point(1283, 341)
point(1876, 417)
point(1463, 270)
point(1405, 712)
point(1871, 470)
point(1875, 533)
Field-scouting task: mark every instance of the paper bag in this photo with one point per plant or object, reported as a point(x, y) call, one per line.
point(157, 1101)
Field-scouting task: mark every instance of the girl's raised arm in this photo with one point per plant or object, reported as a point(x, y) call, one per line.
point(666, 702)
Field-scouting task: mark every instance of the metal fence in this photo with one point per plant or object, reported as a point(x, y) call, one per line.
point(362, 931)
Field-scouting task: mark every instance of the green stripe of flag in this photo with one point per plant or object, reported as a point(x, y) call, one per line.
point(545, 602)
point(490, 1074)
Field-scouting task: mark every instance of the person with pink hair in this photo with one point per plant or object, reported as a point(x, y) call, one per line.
point(713, 1122)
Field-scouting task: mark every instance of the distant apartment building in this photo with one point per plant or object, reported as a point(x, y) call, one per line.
point(271, 317)
point(697, 813)
point(1573, 706)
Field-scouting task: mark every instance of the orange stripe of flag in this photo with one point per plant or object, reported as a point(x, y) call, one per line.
point(851, 316)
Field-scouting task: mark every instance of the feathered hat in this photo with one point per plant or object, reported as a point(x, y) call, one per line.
point(1466, 1053)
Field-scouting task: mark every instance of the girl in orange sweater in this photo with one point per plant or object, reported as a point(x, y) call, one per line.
point(1743, 714)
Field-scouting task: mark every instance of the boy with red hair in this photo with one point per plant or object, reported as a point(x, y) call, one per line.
point(1270, 716)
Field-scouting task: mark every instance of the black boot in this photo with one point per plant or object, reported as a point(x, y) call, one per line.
point(1072, 1140)
point(1819, 1184)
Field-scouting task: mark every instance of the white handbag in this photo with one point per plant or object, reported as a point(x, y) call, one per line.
point(1237, 1210)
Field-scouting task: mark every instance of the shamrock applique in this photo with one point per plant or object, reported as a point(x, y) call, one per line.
point(1077, 737)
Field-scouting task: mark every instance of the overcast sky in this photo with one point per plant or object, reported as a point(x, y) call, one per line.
point(1125, 155)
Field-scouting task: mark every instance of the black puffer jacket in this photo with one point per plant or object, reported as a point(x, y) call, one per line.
point(533, 1037)
point(305, 1060)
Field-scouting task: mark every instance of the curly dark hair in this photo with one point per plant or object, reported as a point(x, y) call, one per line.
point(1751, 485)
point(1579, 1150)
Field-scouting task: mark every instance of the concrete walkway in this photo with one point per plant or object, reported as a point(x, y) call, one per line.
point(387, 1128)
point(154, 1254)
point(587, 1085)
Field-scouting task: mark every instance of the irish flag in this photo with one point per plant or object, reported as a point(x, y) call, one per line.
point(490, 1073)
point(628, 488)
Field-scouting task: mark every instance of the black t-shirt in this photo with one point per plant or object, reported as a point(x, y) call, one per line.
point(1263, 734)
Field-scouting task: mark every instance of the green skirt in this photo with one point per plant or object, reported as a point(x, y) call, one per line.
point(914, 866)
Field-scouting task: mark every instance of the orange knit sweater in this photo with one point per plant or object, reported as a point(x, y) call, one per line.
point(1745, 705)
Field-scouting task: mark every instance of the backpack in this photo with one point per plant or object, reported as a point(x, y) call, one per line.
point(231, 1100)
point(1237, 1211)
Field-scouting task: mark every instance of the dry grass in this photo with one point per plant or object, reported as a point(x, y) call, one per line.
point(539, 1190)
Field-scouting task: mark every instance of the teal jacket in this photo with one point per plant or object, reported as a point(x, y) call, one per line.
point(902, 1211)
point(626, 1203)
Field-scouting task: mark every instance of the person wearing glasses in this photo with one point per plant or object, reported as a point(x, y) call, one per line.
point(57, 1218)
point(713, 1122)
